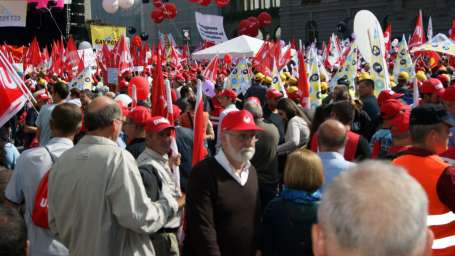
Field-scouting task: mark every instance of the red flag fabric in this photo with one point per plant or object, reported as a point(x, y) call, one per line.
point(452, 30)
point(199, 150)
point(123, 55)
point(285, 58)
point(387, 41)
point(33, 57)
point(72, 59)
point(158, 89)
point(211, 71)
point(303, 83)
point(418, 37)
point(12, 98)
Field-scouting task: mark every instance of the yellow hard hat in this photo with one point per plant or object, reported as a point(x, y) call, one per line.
point(259, 76)
point(421, 76)
point(403, 76)
point(292, 80)
point(392, 84)
point(324, 85)
point(323, 78)
point(283, 77)
point(292, 89)
point(268, 80)
point(41, 81)
point(287, 74)
point(364, 76)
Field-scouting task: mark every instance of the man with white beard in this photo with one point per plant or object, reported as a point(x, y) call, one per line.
point(222, 196)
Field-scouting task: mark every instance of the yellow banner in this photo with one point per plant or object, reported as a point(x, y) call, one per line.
point(108, 35)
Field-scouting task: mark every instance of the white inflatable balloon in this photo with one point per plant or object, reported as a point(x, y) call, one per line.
point(85, 45)
point(110, 6)
point(126, 4)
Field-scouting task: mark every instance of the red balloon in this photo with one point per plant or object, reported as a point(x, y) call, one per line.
point(205, 2)
point(142, 87)
point(157, 3)
point(244, 23)
point(222, 3)
point(254, 22)
point(265, 18)
point(227, 59)
point(157, 15)
point(170, 10)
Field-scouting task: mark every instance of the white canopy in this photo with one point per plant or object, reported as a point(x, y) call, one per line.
point(242, 46)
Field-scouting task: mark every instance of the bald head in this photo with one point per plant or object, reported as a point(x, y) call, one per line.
point(101, 113)
point(332, 136)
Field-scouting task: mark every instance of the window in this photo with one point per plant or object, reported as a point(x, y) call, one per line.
point(312, 31)
point(250, 5)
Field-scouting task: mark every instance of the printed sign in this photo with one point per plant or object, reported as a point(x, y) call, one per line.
point(13, 13)
point(108, 35)
point(210, 27)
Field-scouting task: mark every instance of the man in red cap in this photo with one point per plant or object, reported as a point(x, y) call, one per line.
point(227, 99)
point(134, 130)
point(222, 197)
point(387, 95)
point(154, 165)
point(432, 90)
point(271, 112)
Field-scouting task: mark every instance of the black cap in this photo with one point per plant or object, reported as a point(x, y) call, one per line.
point(429, 114)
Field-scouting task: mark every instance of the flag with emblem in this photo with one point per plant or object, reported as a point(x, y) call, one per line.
point(240, 77)
point(199, 150)
point(303, 83)
point(277, 83)
point(379, 72)
point(315, 79)
point(403, 62)
point(211, 71)
point(83, 80)
point(418, 37)
point(348, 70)
point(12, 90)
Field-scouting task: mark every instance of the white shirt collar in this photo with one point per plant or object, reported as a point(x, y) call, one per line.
point(241, 177)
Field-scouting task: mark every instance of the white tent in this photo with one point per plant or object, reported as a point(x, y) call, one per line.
point(242, 46)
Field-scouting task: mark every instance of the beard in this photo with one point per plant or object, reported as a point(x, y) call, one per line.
point(242, 156)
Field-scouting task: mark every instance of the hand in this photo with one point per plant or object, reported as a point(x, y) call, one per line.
point(174, 161)
point(181, 200)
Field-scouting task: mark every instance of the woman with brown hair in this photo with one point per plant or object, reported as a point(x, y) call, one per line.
point(287, 220)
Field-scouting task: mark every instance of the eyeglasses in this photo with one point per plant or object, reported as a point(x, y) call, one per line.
point(243, 136)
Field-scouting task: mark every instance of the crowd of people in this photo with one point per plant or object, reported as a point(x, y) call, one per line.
point(278, 179)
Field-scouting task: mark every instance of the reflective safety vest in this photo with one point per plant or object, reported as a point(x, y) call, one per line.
point(427, 170)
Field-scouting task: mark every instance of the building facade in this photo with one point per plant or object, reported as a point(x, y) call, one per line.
point(139, 18)
point(318, 19)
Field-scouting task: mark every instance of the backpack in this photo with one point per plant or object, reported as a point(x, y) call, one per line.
point(40, 207)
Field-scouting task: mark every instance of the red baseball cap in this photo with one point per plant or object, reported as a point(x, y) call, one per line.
point(229, 93)
point(387, 95)
point(42, 96)
point(273, 93)
point(449, 94)
point(391, 108)
point(400, 123)
point(139, 115)
point(433, 86)
point(239, 121)
point(157, 124)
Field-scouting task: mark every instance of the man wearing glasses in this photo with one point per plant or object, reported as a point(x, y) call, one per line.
point(222, 197)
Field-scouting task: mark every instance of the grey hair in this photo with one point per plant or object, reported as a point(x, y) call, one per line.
point(254, 108)
point(102, 117)
point(375, 208)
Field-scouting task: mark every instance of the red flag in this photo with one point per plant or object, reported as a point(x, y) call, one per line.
point(387, 41)
point(199, 150)
point(123, 55)
point(12, 97)
point(303, 83)
point(285, 58)
point(158, 89)
point(33, 57)
point(452, 30)
point(418, 37)
point(72, 59)
point(211, 71)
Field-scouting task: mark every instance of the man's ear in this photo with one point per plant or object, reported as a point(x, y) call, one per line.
point(318, 240)
point(428, 243)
